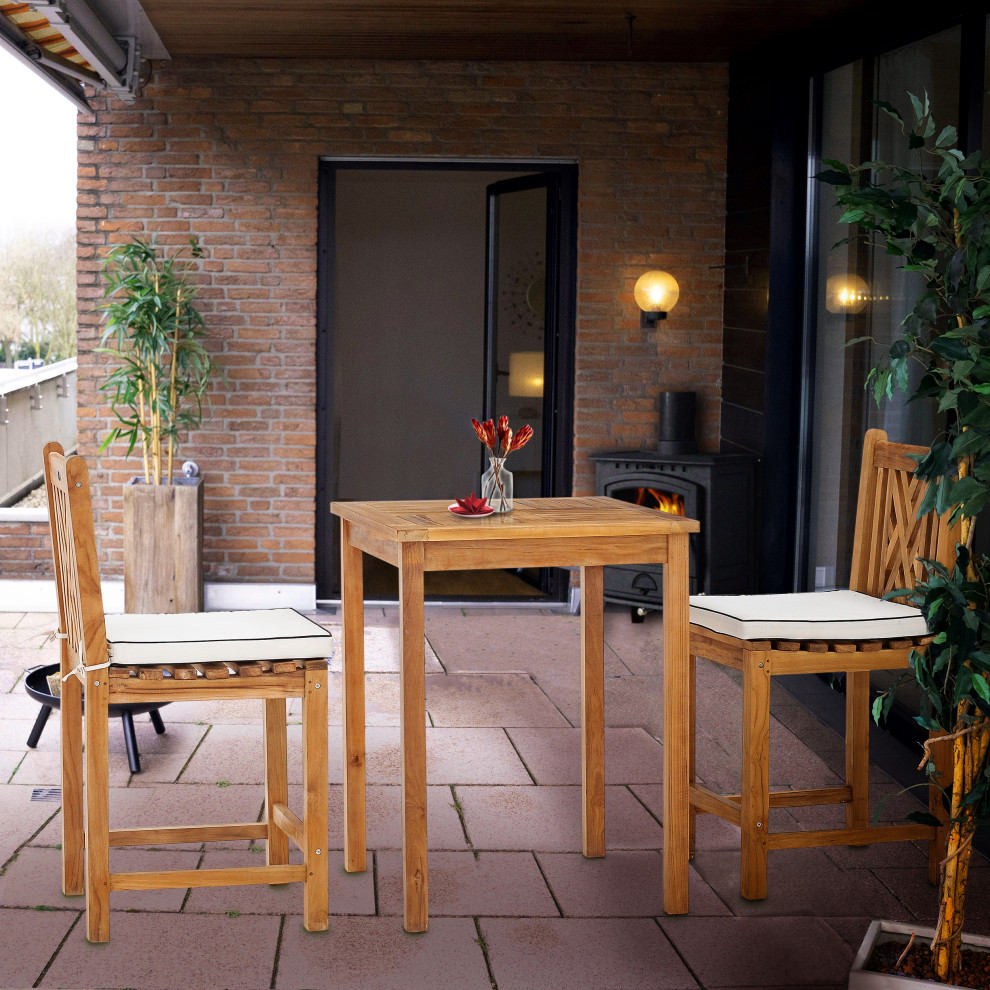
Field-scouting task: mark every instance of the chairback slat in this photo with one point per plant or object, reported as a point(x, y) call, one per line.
point(70, 514)
point(889, 537)
point(63, 551)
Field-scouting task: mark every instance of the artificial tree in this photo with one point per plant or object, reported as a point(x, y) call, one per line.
point(935, 216)
point(158, 388)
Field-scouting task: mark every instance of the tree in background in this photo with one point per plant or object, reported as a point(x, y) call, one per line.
point(38, 297)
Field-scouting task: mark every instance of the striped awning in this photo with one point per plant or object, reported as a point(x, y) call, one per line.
point(73, 43)
point(36, 27)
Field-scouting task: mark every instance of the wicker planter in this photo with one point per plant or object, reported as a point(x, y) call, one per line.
point(862, 979)
point(163, 546)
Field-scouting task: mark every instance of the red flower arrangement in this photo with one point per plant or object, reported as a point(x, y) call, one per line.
point(500, 441)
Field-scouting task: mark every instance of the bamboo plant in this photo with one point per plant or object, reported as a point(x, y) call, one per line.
point(159, 386)
point(935, 216)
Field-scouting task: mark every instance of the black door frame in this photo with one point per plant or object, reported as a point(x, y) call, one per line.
point(559, 469)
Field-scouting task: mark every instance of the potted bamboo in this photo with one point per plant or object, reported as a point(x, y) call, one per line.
point(935, 215)
point(157, 392)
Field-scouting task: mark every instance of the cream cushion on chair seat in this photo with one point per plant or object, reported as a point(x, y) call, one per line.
point(204, 637)
point(816, 615)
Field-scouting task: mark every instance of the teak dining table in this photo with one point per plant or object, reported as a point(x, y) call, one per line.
point(588, 532)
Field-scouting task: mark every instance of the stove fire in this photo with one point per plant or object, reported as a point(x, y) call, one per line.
point(656, 499)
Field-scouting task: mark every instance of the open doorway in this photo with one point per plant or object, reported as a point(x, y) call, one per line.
point(436, 280)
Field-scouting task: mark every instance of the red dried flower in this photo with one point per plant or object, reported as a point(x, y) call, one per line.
point(486, 433)
point(522, 438)
point(504, 433)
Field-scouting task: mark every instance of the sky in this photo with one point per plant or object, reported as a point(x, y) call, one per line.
point(37, 153)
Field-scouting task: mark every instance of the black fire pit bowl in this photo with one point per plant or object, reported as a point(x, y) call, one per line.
point(36, 685)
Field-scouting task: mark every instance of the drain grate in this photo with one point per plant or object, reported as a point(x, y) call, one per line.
point(53, 794)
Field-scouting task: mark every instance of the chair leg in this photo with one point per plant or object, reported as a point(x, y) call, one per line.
point(73, 828)
point(130, 741)
point(692, 745)
point(97, 809)
point(755, 809)
point(276, 779)
point(858, 748)
point(39, 726)
point(315, 798)
point(156, 721)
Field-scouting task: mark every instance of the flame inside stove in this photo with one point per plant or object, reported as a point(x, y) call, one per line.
point(664, 501)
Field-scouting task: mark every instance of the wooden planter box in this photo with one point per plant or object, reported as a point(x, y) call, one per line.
point(863, 979)
point(163, 546)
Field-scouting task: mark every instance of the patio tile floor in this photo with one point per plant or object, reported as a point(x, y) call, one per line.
point(514, 905)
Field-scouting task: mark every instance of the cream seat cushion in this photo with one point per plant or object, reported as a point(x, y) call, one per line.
point(817, 615)
point(204, 637)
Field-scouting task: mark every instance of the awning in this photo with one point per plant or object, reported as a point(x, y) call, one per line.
point(70, 44)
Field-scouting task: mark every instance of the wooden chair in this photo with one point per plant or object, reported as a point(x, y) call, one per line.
point(852, 631)
point(266, 654)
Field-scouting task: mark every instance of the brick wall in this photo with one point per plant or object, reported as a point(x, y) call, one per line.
point(25, 550)
point(228, 150)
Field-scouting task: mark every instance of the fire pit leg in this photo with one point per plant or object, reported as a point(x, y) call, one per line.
point(156, 721)
point(133, 759)
point(39, 725)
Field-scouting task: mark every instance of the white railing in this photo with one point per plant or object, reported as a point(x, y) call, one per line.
point(36, 405)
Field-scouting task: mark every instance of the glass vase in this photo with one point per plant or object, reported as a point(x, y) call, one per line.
point(496, 486)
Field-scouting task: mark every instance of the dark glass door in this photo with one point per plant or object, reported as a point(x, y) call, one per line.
point(521, 294)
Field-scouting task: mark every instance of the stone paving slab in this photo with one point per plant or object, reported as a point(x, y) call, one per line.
point(920, 899)
point(376, 954)
point(548, 819)
point(383, 807)
point(799, 882)
point(624, 884)
point(20, 818)
point(629, 701)
point(162, 756)
point(350, 893)
point(497, 700)
point(35, 878)
point(460, 884)
point(567, 953)
point(553, 756)
point(30, 940)
point(382, 646)
point(760, 952)
point(166, 951)
point(172, 804)
point(10, 760)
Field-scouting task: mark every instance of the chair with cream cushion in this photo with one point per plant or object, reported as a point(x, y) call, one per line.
point(270, 655)
point(853, 631)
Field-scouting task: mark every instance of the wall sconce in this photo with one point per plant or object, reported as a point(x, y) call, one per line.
point(656, 293)
point(526, 373)
point(846, 293)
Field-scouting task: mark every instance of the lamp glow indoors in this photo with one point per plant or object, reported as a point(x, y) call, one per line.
point(846, 293)
point(526, 373)
point(656, 293)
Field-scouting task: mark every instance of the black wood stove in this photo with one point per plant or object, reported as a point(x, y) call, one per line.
point(716, 489)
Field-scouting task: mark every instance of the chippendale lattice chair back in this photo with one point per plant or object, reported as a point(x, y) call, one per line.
point(270, 655)
point(852, 631)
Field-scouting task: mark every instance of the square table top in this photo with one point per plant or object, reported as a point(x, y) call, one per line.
point(530, 518)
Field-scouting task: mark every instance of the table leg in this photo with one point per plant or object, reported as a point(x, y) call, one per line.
point(676, 726)
point(352, 600)
point(592, 712)
point(413, 722)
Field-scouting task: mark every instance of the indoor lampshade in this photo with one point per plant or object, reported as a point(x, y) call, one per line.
point(526, 373)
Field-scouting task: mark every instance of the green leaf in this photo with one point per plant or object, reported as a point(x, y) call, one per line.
point(924, 818)
point(948, 136)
